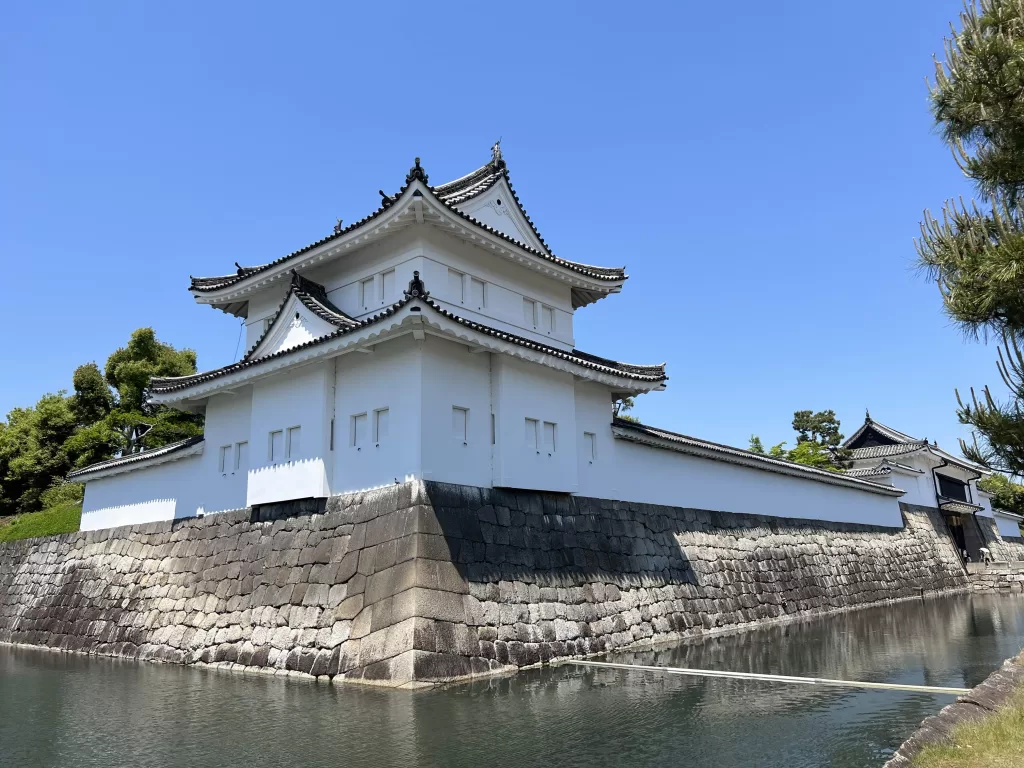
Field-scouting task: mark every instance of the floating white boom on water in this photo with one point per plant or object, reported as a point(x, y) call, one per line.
point(774, 678)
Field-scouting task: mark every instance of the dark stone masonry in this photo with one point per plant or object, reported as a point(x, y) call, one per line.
point(424, 582)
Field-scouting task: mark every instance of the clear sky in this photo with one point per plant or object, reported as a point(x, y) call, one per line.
point(761, 171)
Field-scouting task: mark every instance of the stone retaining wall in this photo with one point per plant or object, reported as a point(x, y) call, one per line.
point(421, 583)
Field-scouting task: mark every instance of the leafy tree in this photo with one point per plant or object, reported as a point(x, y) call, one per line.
point(32, 451)
point(1007, 494)
point(818, 438)
point(622, 405)
point(821, 427)
point(976, 252)
point(104, 416)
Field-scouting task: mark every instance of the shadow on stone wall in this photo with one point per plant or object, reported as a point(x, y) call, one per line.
point(430, 582)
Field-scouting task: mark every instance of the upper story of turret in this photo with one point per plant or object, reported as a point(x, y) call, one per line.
point(470, 239)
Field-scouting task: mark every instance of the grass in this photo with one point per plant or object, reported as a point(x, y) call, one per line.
point(996, 741)
point(63, 518)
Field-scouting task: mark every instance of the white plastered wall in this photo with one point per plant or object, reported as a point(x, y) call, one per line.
point(1007, 526)
point(228, 423)
point(388, 378)
point(161, 492)
point(293, 398)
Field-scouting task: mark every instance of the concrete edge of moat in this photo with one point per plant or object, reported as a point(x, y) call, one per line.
point(426, 583)
point(984, 700)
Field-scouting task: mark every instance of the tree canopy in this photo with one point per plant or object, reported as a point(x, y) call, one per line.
point(39, 445)
point(975, 251)
point(817, 441)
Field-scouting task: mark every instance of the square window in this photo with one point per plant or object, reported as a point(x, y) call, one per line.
point(381, 418)
point(456, 286)
point(460, 424)
point(360, 427)
point(549, 436)
point(477, 294)
point(589, 446)
point(241, 455)
point(224, 463)
point(294, 444)
point(275, 449)
point(387, 287)
point(530, 313)
point(532, 427)
point(366, 292)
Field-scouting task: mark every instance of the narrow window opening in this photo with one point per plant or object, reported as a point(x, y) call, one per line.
point(360, 427)
point(532, 427)
point(366, 292)
point(381, 417)
point(293, 447)
point(275, 447)
point(477, 293)
point(456, 286)
point(387, 287)
point(224, 463)
point(550, 429)
point(590, 446)
point(241, 455)
point(460, 424)
point(529, 313)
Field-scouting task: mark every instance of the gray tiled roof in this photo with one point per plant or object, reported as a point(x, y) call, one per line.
point(878, 451)
point(137, 458)
point(695, 445)
point(645, 373)
point(449, 195)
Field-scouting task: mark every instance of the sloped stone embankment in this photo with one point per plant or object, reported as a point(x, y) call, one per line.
point(422, 582)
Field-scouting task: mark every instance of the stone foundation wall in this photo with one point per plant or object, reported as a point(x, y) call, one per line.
point(421, 583)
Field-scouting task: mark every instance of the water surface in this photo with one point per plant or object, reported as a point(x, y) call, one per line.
point(65, 710)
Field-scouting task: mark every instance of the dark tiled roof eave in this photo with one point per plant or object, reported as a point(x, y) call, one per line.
point(137, 458)
point(611, 274)
point(652, 374)
point(748, 457)
point(878, 451)
point(956, 505)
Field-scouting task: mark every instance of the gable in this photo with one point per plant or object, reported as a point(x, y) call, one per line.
point(295, 324)
point(869, 438)
point(498, 209)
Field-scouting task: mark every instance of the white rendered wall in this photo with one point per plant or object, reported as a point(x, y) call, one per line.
point(162, 492)
point(228, 423)
point(1007, 526)
point(293, 398)
point(388, 378)
point(521, 391)
point(454, 377)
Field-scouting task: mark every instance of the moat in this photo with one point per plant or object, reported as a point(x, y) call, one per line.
point(72, 710)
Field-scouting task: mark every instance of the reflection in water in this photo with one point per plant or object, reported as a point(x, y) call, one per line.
point(60, 710)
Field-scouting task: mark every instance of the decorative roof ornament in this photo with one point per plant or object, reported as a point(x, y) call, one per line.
point(496, 159)
point(337, 227)
point(385, 199)
point(241, 269)
point(416, 290)
point(867, 415)
point(416, 172)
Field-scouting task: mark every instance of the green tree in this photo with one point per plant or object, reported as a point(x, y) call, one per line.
point(32, 451)
point(821, 427)
point(975, 253)
point(1007, 494)
point(818, 438)
point(104, 416)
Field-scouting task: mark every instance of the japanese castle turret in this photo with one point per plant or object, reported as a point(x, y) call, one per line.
point(433, 340)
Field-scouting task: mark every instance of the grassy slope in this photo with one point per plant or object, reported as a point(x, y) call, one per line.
point(995, 742)
point(60, 519)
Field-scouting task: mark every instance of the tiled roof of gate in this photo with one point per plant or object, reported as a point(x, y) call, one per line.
point(960, 507)
point(646, 373)
point(449, 194)
point(136, 458)
point(877, 451)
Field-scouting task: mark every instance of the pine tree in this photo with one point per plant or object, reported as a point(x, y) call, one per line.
point(976, 251)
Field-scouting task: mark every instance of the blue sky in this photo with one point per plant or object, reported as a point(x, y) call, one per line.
point(761, 173)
